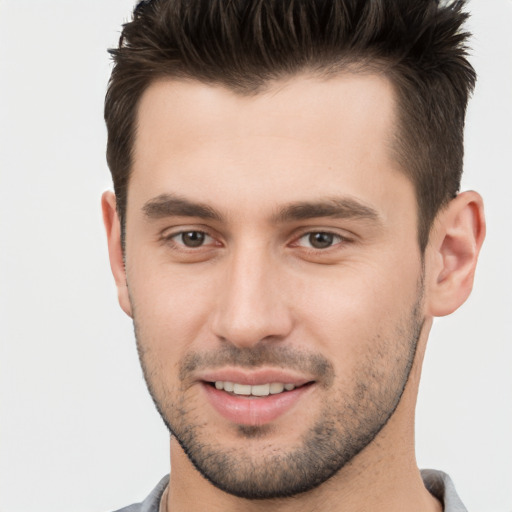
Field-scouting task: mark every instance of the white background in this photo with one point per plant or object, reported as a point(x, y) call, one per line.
point(78, 430)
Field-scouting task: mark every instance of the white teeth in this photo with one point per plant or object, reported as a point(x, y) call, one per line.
point(258, 390)
point(242, 389)
point(276, 387)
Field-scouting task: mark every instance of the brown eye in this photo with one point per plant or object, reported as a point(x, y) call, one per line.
point(192, 238)
point(321, 240)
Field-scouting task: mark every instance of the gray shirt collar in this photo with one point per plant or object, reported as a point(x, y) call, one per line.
point(438, 484)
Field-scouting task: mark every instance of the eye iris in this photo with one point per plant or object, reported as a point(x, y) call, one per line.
point(321, 240)
point(193, 238)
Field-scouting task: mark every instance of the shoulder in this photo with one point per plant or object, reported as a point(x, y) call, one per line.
point(440, 485)
point(152, 502)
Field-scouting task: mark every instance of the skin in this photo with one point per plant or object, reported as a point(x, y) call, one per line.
point(364, 304)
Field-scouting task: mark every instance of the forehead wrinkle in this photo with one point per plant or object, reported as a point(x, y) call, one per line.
point(172, 205)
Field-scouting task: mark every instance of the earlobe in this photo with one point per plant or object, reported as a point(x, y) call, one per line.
point(115, 250)
point(452, 254)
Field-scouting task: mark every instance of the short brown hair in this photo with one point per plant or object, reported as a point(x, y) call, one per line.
point(244, 44)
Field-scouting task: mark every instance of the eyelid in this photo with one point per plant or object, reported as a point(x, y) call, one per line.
point(174, 237)
point(342, 237)
point(335, 236)
point(168, 235)
point(172, 230)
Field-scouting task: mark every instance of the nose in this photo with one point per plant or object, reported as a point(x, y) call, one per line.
point(252, 306)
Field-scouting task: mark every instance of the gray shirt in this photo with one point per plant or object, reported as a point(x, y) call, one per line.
point(438, 483)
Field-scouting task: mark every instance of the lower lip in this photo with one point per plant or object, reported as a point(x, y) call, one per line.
point(253, 411)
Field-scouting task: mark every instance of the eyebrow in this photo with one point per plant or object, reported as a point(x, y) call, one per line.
point(170, 205)
point(336, 208)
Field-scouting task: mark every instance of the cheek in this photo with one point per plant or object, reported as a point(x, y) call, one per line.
point(355, 310)
point(171, 307)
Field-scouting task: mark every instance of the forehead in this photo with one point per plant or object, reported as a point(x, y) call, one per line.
point(297, 138)
point(344, 106)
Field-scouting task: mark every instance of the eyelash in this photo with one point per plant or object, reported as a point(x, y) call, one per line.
point(170, 238)
point(337, 239)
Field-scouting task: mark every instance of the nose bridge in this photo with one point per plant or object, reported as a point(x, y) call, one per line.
point(251, 307)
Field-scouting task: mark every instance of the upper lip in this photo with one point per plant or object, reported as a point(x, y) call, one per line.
point(254, 377)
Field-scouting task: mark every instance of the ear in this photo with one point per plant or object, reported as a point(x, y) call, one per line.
point(452, 253)
point(115, 250)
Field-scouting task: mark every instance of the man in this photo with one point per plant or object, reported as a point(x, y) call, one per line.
point(286, 225)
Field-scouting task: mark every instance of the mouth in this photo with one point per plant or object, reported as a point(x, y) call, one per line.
point(256, 390)
point(255, 399)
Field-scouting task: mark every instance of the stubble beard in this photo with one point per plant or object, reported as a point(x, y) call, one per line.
point(348, 422)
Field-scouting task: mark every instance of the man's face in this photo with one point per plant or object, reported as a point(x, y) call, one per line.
point(273, 273)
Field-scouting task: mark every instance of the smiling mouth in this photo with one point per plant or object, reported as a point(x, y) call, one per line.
point(258, 390)
point(258, 402)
